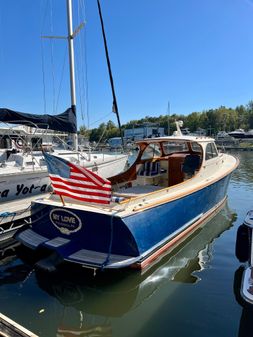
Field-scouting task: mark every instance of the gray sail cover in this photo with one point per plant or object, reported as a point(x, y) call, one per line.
point(65, 122)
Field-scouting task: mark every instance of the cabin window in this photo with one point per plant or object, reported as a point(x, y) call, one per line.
point(152, 151)
point(215, 151)
point(211, 151)
point(36, 143)
point(171, 147)
point(4, 144)
point(196, 147)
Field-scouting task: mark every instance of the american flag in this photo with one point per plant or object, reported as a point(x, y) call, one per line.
point(77, 182)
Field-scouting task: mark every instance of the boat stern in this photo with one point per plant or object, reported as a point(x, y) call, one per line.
point(80, 235)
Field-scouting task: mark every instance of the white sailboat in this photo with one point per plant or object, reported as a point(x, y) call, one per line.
point(23, 172)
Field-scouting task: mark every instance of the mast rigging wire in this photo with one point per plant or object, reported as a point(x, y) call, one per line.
point(52, 55)
point(83, 70)
point(61, 78)
point(80, 66)
point(100, 119)
point(48, 13)
point(42, 23)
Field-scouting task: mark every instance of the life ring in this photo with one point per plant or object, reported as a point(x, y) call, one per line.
point(19, 143)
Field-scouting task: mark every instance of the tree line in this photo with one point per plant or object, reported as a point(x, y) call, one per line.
point(212, 120)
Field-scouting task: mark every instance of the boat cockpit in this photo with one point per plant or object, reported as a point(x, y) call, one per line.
point(160, 163)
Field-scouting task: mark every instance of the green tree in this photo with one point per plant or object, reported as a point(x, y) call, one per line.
point(249, 108)
point(84, 131)
point(213, 120)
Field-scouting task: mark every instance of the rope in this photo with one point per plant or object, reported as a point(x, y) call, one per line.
point(6, 214)
point(110, 243)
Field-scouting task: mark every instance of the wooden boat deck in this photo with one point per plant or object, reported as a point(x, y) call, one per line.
point(136, 191)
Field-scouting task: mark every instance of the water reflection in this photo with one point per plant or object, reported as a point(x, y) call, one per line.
point(90, 304)
point(193, 255)
point(244, 173)
point(12, 271)
point(168, 298)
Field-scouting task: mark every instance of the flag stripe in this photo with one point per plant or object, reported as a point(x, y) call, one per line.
point(82, 180)
point(77, 182)
point(83, 177)
point(100, 201)
point(93, 197)
point(81, 190)
point(89, 174)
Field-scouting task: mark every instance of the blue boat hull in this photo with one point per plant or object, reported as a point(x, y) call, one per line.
point(112, 241)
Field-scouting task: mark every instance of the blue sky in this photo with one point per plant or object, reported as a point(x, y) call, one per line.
point(197, 54)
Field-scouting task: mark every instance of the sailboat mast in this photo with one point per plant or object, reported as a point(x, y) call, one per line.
point(72, 65)
point(115, 105)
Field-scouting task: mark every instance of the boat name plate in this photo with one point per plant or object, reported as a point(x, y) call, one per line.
point(65, 221)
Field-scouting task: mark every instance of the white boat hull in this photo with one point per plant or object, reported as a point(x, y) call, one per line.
point(23, 184)
point(16, 183)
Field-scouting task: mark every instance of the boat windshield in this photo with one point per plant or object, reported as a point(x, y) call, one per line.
point(211, 151)
point(153, 150)
point(196, 147)
point(175, 146)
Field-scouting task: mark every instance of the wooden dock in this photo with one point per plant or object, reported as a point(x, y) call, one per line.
point(244, 144)
point(235, 148)
point(9, 328)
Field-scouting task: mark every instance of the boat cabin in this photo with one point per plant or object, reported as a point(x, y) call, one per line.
point(164, 162)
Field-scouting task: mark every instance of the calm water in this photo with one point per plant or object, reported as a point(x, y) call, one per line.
point(192, 293)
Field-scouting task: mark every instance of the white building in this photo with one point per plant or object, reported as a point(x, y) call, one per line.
point(145, 131)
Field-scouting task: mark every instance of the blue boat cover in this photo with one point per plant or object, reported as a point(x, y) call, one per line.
point(65, 122)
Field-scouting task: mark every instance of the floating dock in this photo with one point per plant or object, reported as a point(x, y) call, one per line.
point(244, 144)
point(9, 328)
